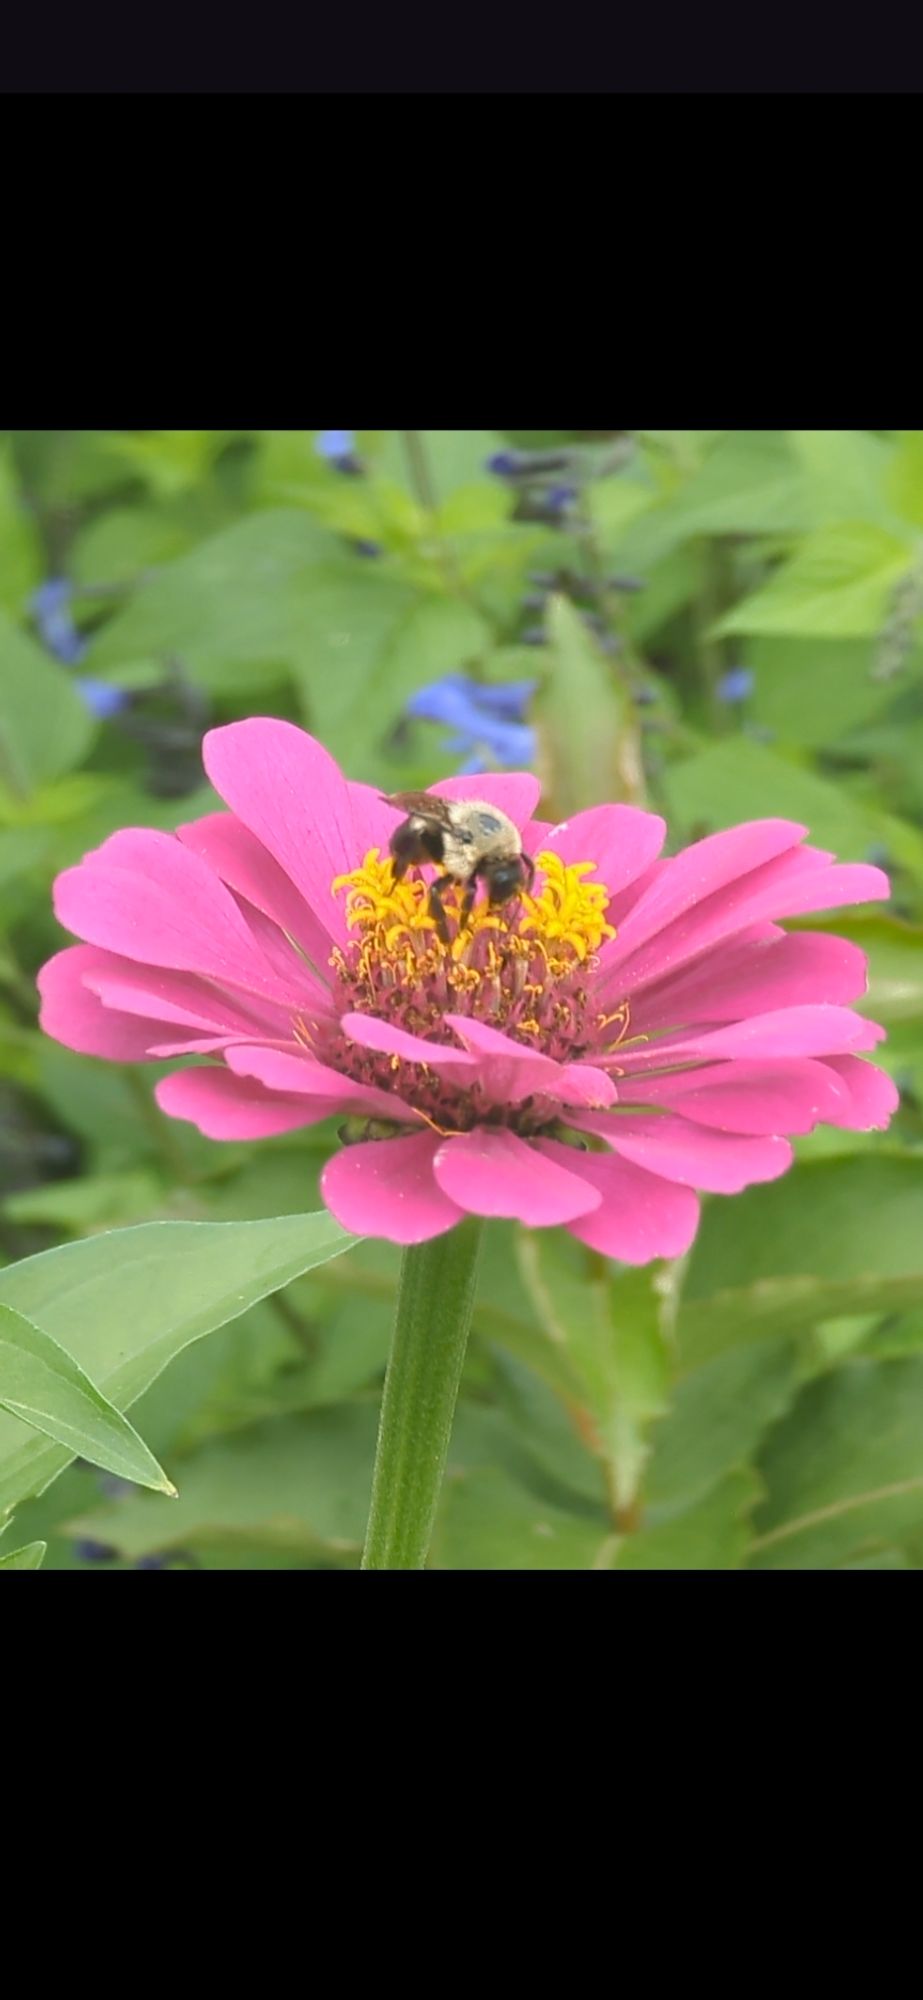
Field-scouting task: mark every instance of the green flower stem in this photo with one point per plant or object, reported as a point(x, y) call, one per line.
point(434, 1307)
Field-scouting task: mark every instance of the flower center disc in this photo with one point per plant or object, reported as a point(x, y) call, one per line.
point(522, 967)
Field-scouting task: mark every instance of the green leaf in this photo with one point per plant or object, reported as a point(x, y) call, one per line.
point(611, 1325)
point(28, 1557)
point(488, 1521)
point(905, 485)
point(45, 727)
point(838, 585)
point(436, 636)
point(297, 1483)
point(833, 1239)
point(232, 609)
point(126, 1303)
point(587, 728)
point(20, 548)
point(812, 691)
point(845, 475)
point(41, 1384)
point(714, 1533)
point(168, 461)
point(845, 1468)
point(118, 546)
point(736, 780)
point(453, 458)
point(717, 1416)
point(750, 483)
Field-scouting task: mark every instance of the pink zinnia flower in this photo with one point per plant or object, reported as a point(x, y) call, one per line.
point(590, 1055)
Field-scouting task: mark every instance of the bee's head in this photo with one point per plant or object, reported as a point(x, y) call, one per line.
point(505, 878)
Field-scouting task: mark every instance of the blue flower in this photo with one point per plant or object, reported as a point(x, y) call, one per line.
point(335, 444)
point(50, 607)
point(736, 685)
point(101, 696)
point(488, 720)
point(94, 1552)
point(504, 464)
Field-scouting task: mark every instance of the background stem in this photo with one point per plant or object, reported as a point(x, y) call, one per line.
point(434, 1307)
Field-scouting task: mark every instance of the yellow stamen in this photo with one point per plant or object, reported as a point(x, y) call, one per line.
point(565, 919)
point(567, 909)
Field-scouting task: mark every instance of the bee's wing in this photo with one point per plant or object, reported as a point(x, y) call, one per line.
point(424, 803)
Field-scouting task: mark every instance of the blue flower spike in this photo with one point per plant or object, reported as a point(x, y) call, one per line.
point(488, 720)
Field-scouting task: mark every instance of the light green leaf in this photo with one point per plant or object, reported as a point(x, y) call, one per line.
point(838, 585)
point(297, 1483)
point(712, 1534)
point(845, 475)
point(488, 1521)
point(905, 485)
point(812, 691)
point(845, 1468)
point(168, 461)
point(30, 1556)
point(735, 780)
point(717, 1416)
point(45, 727)
point(587, 727)
point(127, 1302)
point(611, 1325)
point(750, 483)
point(20, 547)
point(232, 609)
point(435, 636)
point(42, 1385)
point(453, 458)
point(833, 1239)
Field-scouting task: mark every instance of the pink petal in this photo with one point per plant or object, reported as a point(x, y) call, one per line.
point(227, 1107)
point(873, 1098)
point(495, 1173)
point(386, 1188)
point(508, 1071)
point(748, 1097)
point(287, 789)
point(143, 895)
point(718, 1162)
point(302, 1076)
point(369, 1032)
point(754, 976)
point(181, 998)
point(620, 840)
point(640, 1217)
point(709, 865)
point(789, 1031)
point(790, 885)
point(515, 792)
point(71, 1014)
point(245, 866)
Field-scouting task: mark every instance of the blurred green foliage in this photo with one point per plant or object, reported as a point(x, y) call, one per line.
point(760, 1406)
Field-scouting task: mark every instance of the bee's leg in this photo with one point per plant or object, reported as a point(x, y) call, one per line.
point(529, 866)
point(435, 906)
point(468, 903)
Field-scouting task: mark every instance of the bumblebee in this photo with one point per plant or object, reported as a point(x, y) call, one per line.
point(470, 840)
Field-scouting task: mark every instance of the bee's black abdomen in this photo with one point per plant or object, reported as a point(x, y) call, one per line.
point(410, 844)
point(432, 839)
